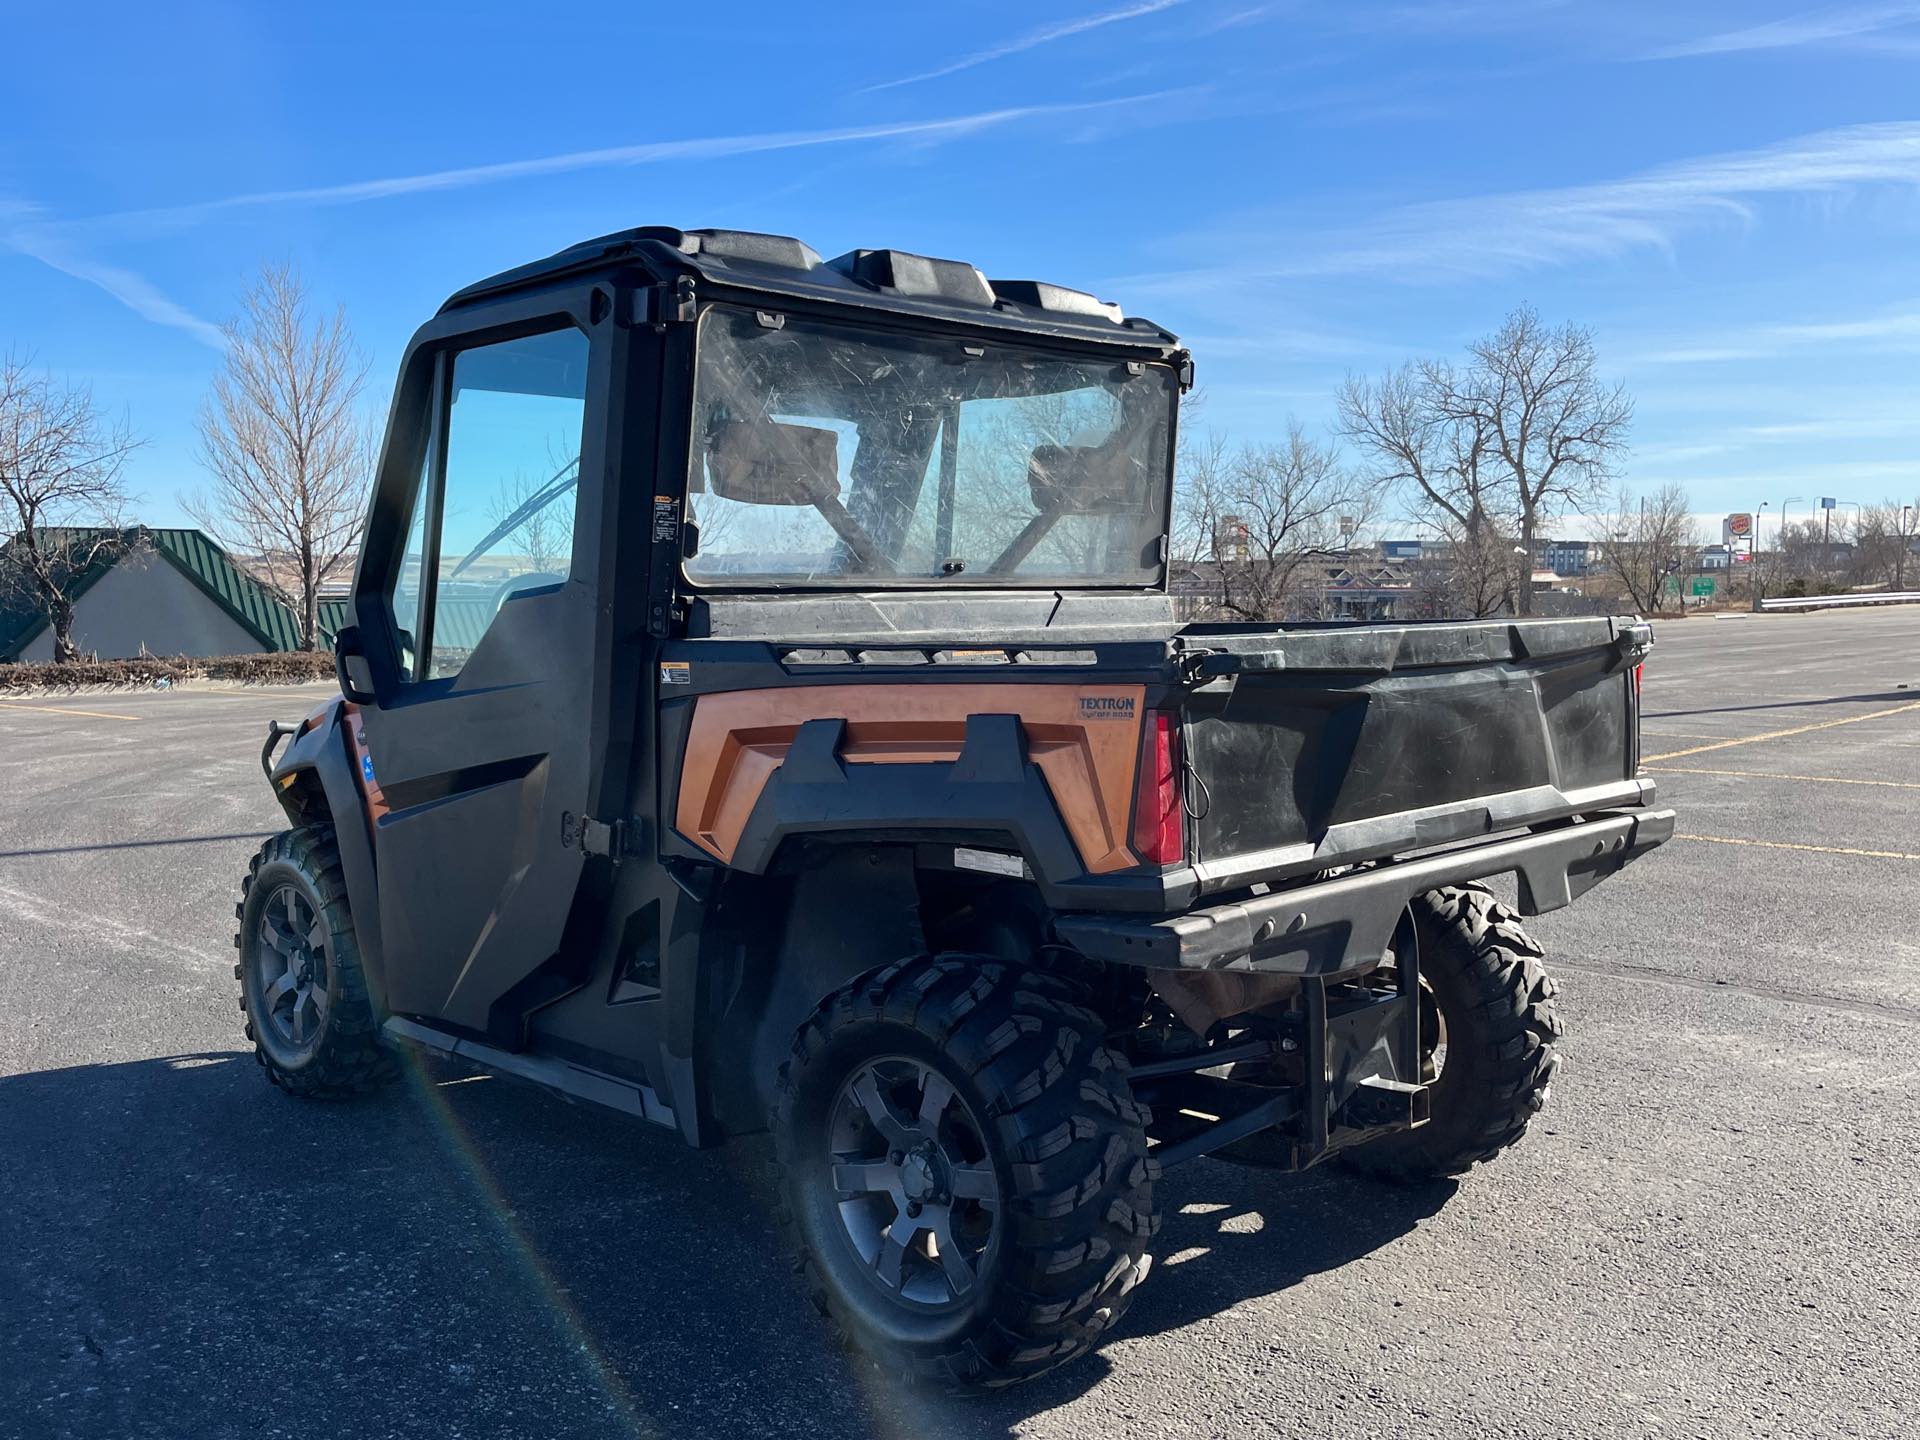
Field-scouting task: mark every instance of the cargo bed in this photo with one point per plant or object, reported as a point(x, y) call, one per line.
point(1382, 739)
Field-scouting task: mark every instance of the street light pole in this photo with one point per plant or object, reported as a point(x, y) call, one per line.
point(1828, 557)
point(1900, 554)
point(1783, 516)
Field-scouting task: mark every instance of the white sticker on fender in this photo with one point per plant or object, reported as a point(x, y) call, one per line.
point(991, 861)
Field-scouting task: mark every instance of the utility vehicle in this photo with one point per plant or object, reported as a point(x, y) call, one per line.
point(762, 706)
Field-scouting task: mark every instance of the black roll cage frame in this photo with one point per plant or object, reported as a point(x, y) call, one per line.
point(639, 303)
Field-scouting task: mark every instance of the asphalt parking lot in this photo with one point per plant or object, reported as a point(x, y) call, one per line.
point(1713, 1231)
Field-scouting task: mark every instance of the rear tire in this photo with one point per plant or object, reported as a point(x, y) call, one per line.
point(1484, 974)
point(302, 989)
point(1042, 1122)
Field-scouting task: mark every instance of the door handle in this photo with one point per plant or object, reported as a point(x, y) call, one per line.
point(346, 646)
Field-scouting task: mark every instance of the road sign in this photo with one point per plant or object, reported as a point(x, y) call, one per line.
point(1672, 585)
point(1827, 502)
point(1702, 586)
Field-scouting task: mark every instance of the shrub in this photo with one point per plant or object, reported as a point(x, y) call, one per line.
point(146, 671)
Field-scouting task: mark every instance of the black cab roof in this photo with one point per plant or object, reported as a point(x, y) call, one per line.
point(895, 280)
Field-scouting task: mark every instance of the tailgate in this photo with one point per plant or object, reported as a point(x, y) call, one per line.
point(1320, 746)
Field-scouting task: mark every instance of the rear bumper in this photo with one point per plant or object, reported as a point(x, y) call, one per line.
point(1323, 928)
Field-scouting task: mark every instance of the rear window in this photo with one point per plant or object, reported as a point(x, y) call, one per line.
point(830, 454)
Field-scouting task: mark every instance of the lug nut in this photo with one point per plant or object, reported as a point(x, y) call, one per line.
point(894, 1157)
point(913, 1207)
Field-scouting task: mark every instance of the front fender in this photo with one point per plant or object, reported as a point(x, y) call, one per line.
point(314, 774)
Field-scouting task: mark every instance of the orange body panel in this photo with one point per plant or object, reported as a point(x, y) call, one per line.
point(357, 748)
point(1087, 752)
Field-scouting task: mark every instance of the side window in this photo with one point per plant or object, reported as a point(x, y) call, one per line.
point(407, 590)
point(502, 507)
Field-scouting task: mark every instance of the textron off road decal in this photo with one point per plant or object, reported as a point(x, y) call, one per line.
point(1106, 707)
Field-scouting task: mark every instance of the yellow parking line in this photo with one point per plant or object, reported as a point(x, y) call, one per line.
point(1780, 734)
point(64, 710)
point(1794, 845)
point(1780, 775)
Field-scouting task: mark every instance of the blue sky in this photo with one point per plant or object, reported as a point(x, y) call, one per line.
point(1728, 194)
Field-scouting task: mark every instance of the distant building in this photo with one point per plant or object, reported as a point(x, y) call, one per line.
point(1572, 559)
point(1401, 549)
point(1332, 584)
point(157, 592)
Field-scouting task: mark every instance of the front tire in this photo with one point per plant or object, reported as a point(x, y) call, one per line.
point(965, 1171)
point(303, 992)
point(1482, 975)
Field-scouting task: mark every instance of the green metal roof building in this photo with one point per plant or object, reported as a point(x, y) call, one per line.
point(164, 592)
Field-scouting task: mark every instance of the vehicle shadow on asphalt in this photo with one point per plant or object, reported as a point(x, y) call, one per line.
point(195, 1253)
point(1895, 696)
point(137, 844)
point(1230, 1233)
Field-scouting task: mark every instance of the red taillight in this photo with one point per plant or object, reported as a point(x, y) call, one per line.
point(1159, 818)
point(1636, 678)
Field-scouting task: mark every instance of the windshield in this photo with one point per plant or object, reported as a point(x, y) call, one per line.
point(830, 454)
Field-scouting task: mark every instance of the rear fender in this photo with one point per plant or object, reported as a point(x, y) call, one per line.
point(845, 911)
point(315, 781)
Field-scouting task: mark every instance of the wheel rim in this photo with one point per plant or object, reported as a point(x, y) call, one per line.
point(292, 968)
point(917, 1194)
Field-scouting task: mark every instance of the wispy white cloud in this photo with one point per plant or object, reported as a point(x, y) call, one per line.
point(1244, 15)
point(1030, 40)
point(1492, 235)
point(1839, 475)
point(22, 231)
point(354, 192)
point(64, 245)
point(1897, 329)
point(1448, 16)
point(1816, 27)
point(1678, 453)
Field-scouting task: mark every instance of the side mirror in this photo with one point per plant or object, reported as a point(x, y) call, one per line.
point(765, 462)
point(350, 657)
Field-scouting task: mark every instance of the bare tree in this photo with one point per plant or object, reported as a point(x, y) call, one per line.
point(1265, 517)
point(1473, 572)
point(1803, 559)
point(543, 531)
point(1400, 422)
point(62, 464)
point(1440, 457)
point(1553, 427)
point(288, 453)
point(1883, 538)
point(1200, 467)
point(1646, 541)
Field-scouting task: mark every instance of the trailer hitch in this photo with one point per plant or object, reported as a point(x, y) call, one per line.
point(1346, 1070)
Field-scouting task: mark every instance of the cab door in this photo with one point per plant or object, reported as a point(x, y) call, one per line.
point(483, 616)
